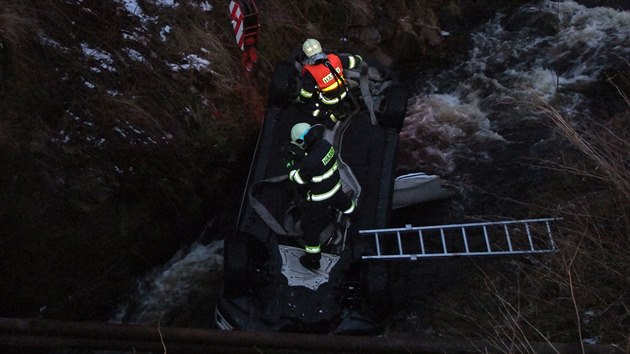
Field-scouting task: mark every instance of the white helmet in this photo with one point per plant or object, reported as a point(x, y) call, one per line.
point(298, 131)
point(311, 47)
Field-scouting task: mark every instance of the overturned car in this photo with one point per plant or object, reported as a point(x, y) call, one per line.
point(265, 287)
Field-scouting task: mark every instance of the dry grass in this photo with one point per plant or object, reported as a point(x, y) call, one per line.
point(115, 174)
point(581, 294)
point(13, 28)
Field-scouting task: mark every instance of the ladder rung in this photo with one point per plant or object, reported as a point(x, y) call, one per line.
point(378, 244)
point(421, 237)
point(465, 239)
point(553, 243)
point(507, 236)
point(529, 237)
point(485, 234)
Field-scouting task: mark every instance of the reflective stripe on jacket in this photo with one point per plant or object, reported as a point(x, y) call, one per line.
point(324, 78)
point(319, 172)
point(313, 249)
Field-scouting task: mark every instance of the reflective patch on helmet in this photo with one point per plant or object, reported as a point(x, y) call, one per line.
point(311, 46)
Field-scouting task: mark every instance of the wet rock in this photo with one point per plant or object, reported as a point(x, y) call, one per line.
point(370, 35)
point(409, 45)
point(471, 13)
point(369, 39)
point(540, 23)
point(615, 4)
point(413, 40)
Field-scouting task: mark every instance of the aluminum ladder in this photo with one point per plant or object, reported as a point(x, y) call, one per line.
point(530, 236)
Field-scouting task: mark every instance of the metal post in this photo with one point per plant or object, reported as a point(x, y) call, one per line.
point(38, 333)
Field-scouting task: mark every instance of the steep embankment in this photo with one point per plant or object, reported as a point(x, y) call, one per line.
point(127, 125)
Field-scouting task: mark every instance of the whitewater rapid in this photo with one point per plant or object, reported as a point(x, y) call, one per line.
point(542, 54)
point(170, 286)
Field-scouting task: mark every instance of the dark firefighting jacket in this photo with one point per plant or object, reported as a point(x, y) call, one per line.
point(318, 171)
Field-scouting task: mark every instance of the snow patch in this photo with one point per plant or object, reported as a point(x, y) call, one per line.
point(134, 9)
point(166, 3)
point(164, 31)
point(205, 6)
point(103, 58)
point(135, 55)
point(51, 43)
point(134, 36)
point(191, 61)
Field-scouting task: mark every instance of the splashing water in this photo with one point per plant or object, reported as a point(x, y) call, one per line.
point(170, 286)
point(543, 53)
point(440, 125)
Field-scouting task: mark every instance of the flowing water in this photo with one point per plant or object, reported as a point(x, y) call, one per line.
point(476, 125)
point(479, 125)
point(173, 285)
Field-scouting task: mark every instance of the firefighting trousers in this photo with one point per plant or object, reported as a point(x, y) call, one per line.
point(315, 216)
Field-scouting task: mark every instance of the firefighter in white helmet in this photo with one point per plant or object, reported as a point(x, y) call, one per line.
point(324, 86)
point(317, 170)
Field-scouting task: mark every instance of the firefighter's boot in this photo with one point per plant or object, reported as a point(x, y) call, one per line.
point(311, 260)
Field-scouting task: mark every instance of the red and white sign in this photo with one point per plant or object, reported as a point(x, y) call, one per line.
point(236, 15)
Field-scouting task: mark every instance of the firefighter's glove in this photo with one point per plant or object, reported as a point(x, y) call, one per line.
point(293, 154)
point(330, 122)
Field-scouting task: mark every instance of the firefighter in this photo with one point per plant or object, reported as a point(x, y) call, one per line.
point(313, 165)
point(324, 86)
